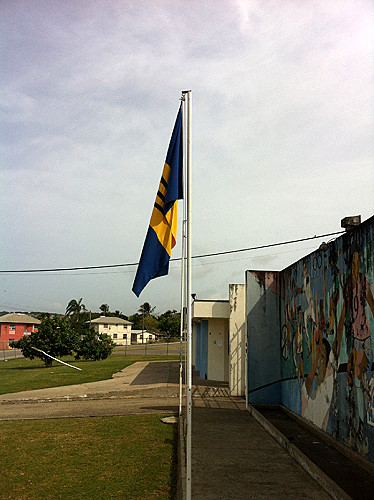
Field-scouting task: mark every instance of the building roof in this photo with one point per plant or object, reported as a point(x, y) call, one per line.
point(110, 320)
point(19, 318)
point(139, 332)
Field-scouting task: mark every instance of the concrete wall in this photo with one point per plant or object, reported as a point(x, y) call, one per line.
point(210, 309)
point(237, 339)
point(218, 349)
point(312, 328)
point(263, 360)
point(327, 338)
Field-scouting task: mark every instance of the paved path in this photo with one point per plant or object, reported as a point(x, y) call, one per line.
point(88, 408)
point(233, 457)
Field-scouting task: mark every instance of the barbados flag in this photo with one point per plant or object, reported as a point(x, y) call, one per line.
point(162, 230)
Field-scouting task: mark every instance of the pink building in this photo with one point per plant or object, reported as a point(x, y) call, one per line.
point(14, 326)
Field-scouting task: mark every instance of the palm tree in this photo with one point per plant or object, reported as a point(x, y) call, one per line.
point(146, 309)
point(104, 308)
point(74, 308)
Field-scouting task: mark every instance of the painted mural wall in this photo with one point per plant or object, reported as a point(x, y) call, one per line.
point(327, 338)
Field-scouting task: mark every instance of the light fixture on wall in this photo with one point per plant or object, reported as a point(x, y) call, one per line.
point(323, 247)
point(350, 223)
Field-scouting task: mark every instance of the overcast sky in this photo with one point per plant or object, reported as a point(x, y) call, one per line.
point(282, 140)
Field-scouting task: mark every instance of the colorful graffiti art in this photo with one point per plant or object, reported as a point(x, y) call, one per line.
point(327, 337)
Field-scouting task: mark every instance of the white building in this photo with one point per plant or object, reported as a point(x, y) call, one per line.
point(142, 337)
point(218, 338)
point(117, 328)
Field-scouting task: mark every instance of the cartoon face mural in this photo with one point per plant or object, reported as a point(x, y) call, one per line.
point(327, 338)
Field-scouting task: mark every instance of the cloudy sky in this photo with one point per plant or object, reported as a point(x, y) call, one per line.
point(283, 145)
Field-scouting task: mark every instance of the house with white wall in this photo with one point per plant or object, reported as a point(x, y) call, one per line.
point(142, 337)
point(219, 336)
point(117, 328)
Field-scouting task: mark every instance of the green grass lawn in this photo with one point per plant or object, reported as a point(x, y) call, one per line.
point(23, 374)
point(128, 457)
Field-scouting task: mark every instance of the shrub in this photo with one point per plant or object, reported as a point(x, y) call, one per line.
point(93, 346)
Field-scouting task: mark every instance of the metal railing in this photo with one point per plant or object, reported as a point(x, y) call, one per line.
point(150, 348)
point(7, 352)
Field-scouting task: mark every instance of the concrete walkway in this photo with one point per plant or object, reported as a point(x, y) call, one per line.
point(233, 456)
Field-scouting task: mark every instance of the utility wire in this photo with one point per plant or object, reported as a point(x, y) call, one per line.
point(57, 269)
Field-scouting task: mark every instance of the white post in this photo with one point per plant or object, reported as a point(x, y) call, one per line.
point(188, 301)
point(183, 299)
point(183, 269)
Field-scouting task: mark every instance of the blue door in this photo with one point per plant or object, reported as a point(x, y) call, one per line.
point(197, 346)
point(204, 349)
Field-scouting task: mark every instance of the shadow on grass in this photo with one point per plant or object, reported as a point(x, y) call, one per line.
point(54, 366)
point(20, 368)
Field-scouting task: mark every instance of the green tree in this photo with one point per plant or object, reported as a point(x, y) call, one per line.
point(136, 320)
point(146, 309)
point(93, 346)
point(169, 324)
point(119, 314)
point(104, 308)
point(55, 336)
point(150, 324)
point(74, 309)
point(148, 318)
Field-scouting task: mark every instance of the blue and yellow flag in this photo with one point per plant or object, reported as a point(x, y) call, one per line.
point(162, 231)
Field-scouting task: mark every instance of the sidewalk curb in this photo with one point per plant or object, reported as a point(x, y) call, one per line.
point(310, 467)
point(86, 398)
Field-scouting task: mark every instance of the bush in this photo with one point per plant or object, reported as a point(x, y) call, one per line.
point(93, 346)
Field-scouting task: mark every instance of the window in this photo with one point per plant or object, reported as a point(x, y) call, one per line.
point(125, 336)
point(114, 335)
point(12, 328)
point(105, 326)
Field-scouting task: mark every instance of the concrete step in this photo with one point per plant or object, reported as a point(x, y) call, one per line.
point(351, 472)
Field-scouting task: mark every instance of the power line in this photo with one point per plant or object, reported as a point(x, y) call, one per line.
point(86, 268)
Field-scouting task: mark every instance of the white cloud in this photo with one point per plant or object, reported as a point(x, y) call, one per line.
point(282, 132)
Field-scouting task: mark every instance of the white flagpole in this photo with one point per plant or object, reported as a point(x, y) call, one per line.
point(183, 269)
point(188, 93)
point(182, 314)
